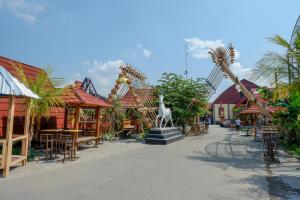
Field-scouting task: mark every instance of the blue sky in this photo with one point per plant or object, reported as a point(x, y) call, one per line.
point(90, 39)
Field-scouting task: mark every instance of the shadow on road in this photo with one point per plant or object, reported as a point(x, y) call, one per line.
point(237, 152)
point(245, 154)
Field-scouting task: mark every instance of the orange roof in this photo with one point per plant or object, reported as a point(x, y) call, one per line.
point(74, 95)
point(9, 65)
point(254, 109)
point(251, 110)
point(258, 96)
point(128, 100)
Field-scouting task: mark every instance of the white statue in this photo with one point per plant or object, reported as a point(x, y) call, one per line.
point(164, 113)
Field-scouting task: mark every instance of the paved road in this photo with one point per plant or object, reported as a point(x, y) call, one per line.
point(219, 165)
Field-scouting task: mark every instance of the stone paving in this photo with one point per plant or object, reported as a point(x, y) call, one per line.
point(218, 165)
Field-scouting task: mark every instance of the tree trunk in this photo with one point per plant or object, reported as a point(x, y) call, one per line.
point(31, 133)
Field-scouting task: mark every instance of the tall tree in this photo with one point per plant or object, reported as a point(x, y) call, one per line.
point(185, 97)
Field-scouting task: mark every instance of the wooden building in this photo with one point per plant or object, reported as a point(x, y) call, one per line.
point(76, 100)
point(10, 90)
point(56, 119)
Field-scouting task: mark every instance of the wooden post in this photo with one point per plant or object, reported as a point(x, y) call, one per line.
point(97, 117)
point(77, 116)
point(66, 118)
point(24, 150)
point(9, 133)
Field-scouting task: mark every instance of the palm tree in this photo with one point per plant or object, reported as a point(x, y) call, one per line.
point(50, 92)
point(283, 70)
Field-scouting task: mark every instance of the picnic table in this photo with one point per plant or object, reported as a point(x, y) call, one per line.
point(54, 138)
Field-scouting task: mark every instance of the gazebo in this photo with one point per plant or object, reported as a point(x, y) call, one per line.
point(10, 88)
point(75, 98)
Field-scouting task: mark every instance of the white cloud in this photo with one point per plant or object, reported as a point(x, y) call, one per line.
point(77, 76)
point(240, 71)
point(199, 48)
point(23, 9)
point(237, 54)
point(137, 52)
point(147, 53)
point(103, 74)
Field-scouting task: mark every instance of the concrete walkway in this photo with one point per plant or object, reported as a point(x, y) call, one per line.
point(219, 165)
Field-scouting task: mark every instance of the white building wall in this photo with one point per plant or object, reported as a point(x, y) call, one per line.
point(228, 111)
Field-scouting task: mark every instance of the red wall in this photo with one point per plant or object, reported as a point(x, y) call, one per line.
point(56, 119)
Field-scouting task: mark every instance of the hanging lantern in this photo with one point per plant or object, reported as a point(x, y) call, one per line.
point(143, 114)
point(113, 91)
point(146, 120)
point(232, 54)
point(149, 125)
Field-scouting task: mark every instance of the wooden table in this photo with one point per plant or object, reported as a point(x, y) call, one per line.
point(52, 131)
point(55, 138)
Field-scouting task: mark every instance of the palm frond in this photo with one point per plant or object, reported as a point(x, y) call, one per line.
point(277, 39)
point(42, 85)
point(270, 64)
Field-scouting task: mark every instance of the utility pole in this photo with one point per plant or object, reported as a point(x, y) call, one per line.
point(186, 55)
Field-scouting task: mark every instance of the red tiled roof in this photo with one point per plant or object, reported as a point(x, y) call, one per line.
point(231, 96)
point(273, 109)
point(75, 96)
point(258, 96)
point(128, 100)
point(9, 65)
point(254, 109)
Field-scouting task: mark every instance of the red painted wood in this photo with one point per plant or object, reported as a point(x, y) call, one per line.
point(56, 119)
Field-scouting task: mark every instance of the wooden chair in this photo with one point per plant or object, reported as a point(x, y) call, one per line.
point(128, 128)
point(67, 146)
point(270, 137)
point(47, 144)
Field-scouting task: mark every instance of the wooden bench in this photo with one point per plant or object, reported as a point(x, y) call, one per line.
point(83, 140)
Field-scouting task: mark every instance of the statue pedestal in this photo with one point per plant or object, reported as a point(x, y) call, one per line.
point(163, 135)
